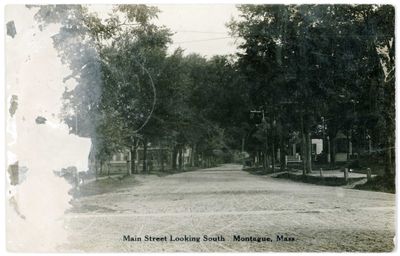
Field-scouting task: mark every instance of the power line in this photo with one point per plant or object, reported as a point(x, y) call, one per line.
point(327, 36)
point(201, 32)
point(203, 40)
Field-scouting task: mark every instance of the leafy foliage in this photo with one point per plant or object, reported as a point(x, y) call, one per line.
point(308, 70)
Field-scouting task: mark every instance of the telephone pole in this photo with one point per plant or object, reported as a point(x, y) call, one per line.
point(265, 129)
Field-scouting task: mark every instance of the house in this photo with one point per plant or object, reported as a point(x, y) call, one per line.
point(295, 156)
point(317, 146)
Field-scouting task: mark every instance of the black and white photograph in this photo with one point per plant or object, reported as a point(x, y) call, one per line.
point(235, 127)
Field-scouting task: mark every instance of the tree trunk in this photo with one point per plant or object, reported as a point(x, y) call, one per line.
point(389, 116)
point(348, 148)
point(157, 165)
point(303, 146)
point(261, 158)
point(282, 155)
point(195, 156)
point(242, 153)
point(266, 163)
point(192, 155)
point(101, 167)
point(256, 158)
point(309, 152)
point(128, 164)
point(333, 151)
point(145, 155)
point(108, 168)
point(96, 175)
point(273, 156)
point(96, 167)
point(161, 158)
point(389, 166)
point(174, 156)
point(133, 156)
point(180, 159)
point(328, 155)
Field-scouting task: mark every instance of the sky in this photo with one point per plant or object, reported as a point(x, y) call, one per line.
point(200, 28)
point(197, 28)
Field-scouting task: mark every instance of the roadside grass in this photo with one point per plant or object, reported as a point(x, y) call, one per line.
point(103, 185)
point(257, 171)
point(107, 184)
point(167, 172)
point(379, 183)
point(326, 181)
point(261, 171)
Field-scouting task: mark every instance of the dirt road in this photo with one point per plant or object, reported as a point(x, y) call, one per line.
point(225, 203)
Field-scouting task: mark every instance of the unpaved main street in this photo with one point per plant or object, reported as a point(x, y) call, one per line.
point(226, 201)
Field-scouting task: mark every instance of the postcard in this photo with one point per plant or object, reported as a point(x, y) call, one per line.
point(200, 128)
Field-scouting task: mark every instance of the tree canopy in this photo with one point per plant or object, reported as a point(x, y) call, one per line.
point(301, 71)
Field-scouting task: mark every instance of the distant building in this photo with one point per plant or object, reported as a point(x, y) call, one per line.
point(317, 146)
point(156, 159)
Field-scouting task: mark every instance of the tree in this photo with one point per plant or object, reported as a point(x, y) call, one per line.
point(320, 61)
point(114, 61)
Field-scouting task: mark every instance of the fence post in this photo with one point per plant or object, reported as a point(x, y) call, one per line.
point(320, 172)
point(346, 174)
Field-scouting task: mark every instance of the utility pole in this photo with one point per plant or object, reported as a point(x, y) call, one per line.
point(264, 126)
point(273, 145)
point(243, 162)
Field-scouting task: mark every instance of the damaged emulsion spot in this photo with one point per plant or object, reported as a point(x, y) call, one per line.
point(40, 120)
point(13, 105)
point(13, 172)
point(11, 31)
point(17, 175)
point(14, 205)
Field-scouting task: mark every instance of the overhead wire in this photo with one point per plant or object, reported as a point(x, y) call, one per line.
point(203, 40)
